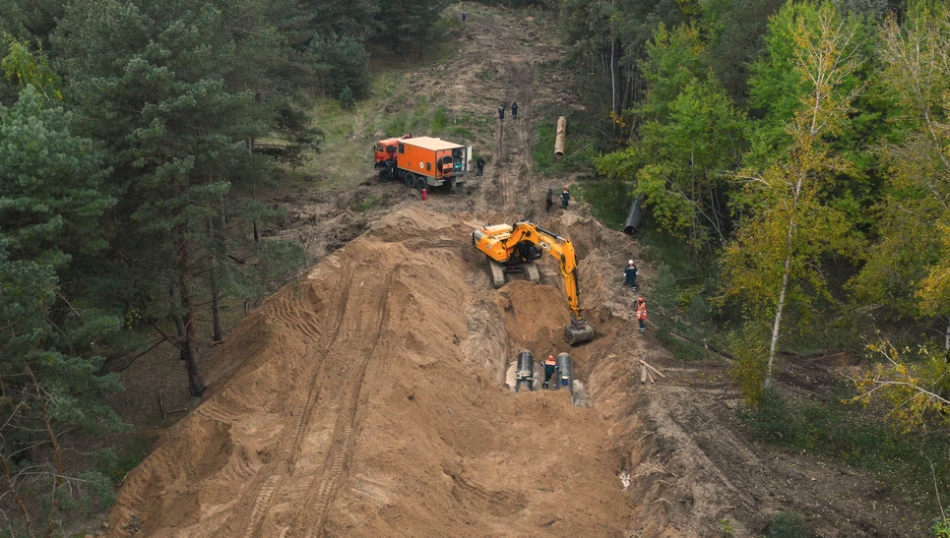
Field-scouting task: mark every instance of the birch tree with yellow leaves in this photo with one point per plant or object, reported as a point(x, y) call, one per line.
point(909, 267)
point(788, 228)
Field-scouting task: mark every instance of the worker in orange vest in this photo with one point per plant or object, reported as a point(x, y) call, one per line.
point(550, 367)
point(642, 314)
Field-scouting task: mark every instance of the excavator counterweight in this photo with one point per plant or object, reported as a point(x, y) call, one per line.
point(515, 248)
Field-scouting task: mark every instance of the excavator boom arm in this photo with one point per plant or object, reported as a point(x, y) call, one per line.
point(561, 248)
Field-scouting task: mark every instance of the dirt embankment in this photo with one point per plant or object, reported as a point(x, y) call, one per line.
point(360, 403)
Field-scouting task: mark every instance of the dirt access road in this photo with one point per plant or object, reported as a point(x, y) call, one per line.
point(368, 399)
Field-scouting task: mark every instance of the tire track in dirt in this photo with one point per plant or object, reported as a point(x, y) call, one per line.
point(518, 86)
point(264, 487)
point(321, 492)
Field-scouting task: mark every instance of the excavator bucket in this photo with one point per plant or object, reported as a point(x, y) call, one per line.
point(578, 331)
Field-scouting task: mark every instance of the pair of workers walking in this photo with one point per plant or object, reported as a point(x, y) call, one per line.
point(514, 111)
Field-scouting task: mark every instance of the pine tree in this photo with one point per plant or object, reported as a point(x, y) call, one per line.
point(151, 79)
point(51, 198)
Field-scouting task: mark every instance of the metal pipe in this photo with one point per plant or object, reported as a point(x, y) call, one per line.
point(559, 137)
point(525, 371)
point(566, 368)
point(633, 218)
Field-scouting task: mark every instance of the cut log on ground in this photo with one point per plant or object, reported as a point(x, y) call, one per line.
point(657, 372)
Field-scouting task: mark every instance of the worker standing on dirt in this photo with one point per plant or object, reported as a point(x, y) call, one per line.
point(481, 165)
point(550, 367)
point(630, 275)
point(549, 201)
point(501, 112)
point(514, 111)
point(642, 314)
point(565, 196)
point(463, 16)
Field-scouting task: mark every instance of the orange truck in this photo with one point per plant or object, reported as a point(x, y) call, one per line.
point(422, 162)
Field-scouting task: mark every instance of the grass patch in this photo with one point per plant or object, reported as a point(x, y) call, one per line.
point(461, 133)
point(368, 203)
point(899, 460)
point(580, 146)
point(441, 119)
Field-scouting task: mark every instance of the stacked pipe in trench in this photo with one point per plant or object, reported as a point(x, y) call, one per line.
point(525, 372)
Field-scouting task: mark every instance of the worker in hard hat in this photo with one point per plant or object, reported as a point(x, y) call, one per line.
point(630, 275)
point(642, 314)
point(501, 112)
point(550, 367)
point(565, 196)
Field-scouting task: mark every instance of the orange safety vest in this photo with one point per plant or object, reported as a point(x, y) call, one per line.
point(642, 310)
point(551, 361)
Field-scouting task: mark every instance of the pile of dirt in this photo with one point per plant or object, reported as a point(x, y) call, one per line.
point(351, 404)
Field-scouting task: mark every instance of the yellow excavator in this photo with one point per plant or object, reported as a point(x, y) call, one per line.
point(515, 248)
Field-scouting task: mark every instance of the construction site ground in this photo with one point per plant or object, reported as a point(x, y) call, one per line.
point(368, 399)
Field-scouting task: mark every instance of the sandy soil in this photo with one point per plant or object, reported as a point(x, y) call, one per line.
point(368, 399)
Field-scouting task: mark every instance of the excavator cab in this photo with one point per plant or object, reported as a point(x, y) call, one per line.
point(527, 251)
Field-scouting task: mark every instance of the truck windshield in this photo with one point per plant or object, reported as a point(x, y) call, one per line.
point(390, 149)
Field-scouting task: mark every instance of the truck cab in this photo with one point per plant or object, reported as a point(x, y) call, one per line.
point(385, 150)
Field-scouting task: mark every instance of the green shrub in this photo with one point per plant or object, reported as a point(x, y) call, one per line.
point(609, 199)
point(788, 525)
point(346, 98)
point(441, 119)
point(941, 529)
point(750, 347)
point(771, 421)
point(728, 531)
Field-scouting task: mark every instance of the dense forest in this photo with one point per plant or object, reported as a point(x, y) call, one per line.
point(134, 139)
point(798, 152)
point(794, 158)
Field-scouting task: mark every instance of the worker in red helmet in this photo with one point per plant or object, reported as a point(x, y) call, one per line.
point(565, 196)
point(642, 313)
point(550, 367)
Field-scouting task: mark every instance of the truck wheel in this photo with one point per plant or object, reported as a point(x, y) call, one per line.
point(420, 183)
point(410, 179)
point(384, 176)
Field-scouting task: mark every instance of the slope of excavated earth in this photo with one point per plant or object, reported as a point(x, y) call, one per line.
point(355, 404)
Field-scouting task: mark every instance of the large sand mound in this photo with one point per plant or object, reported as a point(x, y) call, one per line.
point(365, 401)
